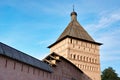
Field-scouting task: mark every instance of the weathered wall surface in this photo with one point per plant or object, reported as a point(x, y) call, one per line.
point(13, 70)
point(83, 54)
point(67, 71)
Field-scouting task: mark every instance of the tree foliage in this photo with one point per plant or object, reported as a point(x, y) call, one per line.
point(109, 74)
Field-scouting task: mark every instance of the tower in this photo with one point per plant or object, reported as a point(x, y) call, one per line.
point(76, 45)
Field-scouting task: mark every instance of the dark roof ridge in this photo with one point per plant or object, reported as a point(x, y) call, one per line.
point(10, 52)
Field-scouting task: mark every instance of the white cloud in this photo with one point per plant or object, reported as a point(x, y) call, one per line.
point(105, 21)
point(107, 30)
point(110, 48)
point(46, 42)
point(110, 39)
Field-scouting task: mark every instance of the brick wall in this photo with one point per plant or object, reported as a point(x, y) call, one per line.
point(14, 70)
point(84, 55)
point(67, 71)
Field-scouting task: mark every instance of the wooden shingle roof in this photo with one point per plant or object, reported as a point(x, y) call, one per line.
point(76, 31)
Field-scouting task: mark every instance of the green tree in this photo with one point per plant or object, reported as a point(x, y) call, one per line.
point(109, 74)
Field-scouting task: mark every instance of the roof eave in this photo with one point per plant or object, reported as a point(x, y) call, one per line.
point(74, 38)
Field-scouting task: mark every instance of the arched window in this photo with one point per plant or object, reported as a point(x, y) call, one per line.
point(74, 56)
point(77, 57)
point(92, 60)
point(81, 58)
point(84, 58)
point(89, 59)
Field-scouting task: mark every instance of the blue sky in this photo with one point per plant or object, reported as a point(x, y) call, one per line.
point(32, 25)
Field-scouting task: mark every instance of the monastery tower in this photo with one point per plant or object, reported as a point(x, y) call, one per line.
point(76, 45)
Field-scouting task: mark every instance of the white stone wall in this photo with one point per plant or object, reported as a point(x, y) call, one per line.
point(85, 55)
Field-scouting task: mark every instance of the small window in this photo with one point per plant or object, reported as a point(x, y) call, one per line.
point(81, 58)
point(84, 58)
point(74, 56)
point(77, 57)
point(93, 60)
point(87, 59)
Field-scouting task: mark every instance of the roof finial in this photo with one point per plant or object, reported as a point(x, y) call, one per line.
point(73, 7)
point(73, 14)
